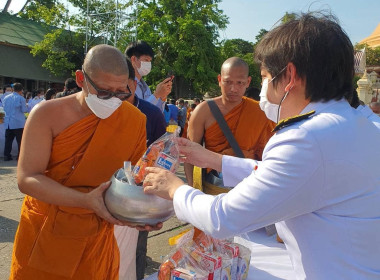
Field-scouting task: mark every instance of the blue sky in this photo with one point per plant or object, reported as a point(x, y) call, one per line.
point(358, 18)
point(247, 17)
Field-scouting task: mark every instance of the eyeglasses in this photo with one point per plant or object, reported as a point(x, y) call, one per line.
point(105, 94)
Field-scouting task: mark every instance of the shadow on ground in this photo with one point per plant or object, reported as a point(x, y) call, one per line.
point(8, 229)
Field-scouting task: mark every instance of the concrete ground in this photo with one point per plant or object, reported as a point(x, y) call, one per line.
point(10, 204)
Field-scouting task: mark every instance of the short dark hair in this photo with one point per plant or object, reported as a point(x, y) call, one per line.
point(320, 50)
point(181, 101)
point(17, 87)
point(70, 84)
point(49, 93)
point(132, 74)
point(139, 48)
point(253, 92)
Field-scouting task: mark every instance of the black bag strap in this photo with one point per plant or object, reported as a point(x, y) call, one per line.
point(224, 127)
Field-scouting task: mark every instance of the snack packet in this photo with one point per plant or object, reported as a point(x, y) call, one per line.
point(163, 152)
point(243, 262)
point(230, 257)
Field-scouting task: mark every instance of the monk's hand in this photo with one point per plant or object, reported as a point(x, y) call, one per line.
point(195, 154)
point(149, 227)
point(161, 182)
point(96, 203)
point(157, 226)
point(163, 88)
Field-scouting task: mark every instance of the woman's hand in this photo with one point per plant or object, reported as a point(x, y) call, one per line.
point(161, 182)
point(195, 154)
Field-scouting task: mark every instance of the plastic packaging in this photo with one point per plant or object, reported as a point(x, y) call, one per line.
point(203, 257)
point(163, 152)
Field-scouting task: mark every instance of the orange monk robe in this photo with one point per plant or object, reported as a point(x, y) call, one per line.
point(188, 114)
point(56, 242)
point(248, 124)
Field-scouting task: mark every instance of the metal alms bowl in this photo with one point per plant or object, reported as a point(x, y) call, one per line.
point(129, 203)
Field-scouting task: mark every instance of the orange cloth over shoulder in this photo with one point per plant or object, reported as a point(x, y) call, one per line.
point(250, 127)
point(56, 243)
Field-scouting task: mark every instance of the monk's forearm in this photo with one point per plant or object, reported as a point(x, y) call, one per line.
point(47, 190)
point(189, 173)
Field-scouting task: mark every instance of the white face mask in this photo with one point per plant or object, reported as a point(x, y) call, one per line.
point(145, 68)
point(270, 109)
point(102, 108)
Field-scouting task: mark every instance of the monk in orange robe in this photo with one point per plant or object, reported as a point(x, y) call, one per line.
point(71, 147)
point(246, 120)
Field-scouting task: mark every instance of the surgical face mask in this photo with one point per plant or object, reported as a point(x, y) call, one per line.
point(102, 108)
point(272, 111)
point(145, 68)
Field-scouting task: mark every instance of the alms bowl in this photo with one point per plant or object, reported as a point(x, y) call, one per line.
point(129, 203)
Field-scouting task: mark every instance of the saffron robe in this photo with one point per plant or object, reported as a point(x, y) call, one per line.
point(57, 242)
point(248, 124)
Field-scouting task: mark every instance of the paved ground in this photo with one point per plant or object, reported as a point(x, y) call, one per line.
point(10, 203)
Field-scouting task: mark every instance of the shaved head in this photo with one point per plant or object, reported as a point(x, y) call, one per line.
point(105, 58)
point(234, 62)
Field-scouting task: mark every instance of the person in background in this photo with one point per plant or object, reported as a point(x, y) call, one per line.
point(71, 147)
point(375, 107)
point(28, 96)
point(40, 94)
point(196, 101)
point(1, 95)
point(7, 91)
point(173, 112)
point(242, 115)
point(141, 55)
point(181, 115)
point(50, 94)
point(129, 239)
point(14, 121)
point(166, 114)
point(359, 105)
point(70, 87)
point(319, 179)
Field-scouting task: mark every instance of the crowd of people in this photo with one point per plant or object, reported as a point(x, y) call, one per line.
point(303, 157)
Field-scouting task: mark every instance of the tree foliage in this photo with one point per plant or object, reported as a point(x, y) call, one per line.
point(184, 35)
point(372, 54)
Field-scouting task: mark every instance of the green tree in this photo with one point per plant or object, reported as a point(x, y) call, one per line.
point(62, 49)
point(287, 17)
point(184, 35)
point(235, 47)
point(372, 54)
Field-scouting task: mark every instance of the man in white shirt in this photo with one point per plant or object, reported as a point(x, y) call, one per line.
point(141, 55)
point(319, 179)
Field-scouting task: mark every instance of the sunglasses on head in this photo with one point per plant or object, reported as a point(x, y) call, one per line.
point(105, 94)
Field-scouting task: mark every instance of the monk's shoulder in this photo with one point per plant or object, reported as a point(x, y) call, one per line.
point(253, 107)
point(201, 113)
point(51, 109)
point(132, 117)
point(132, 111)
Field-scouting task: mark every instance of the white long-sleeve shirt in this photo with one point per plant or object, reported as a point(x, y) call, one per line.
point(369, 114)
point(143, 92)
point(319, 180)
